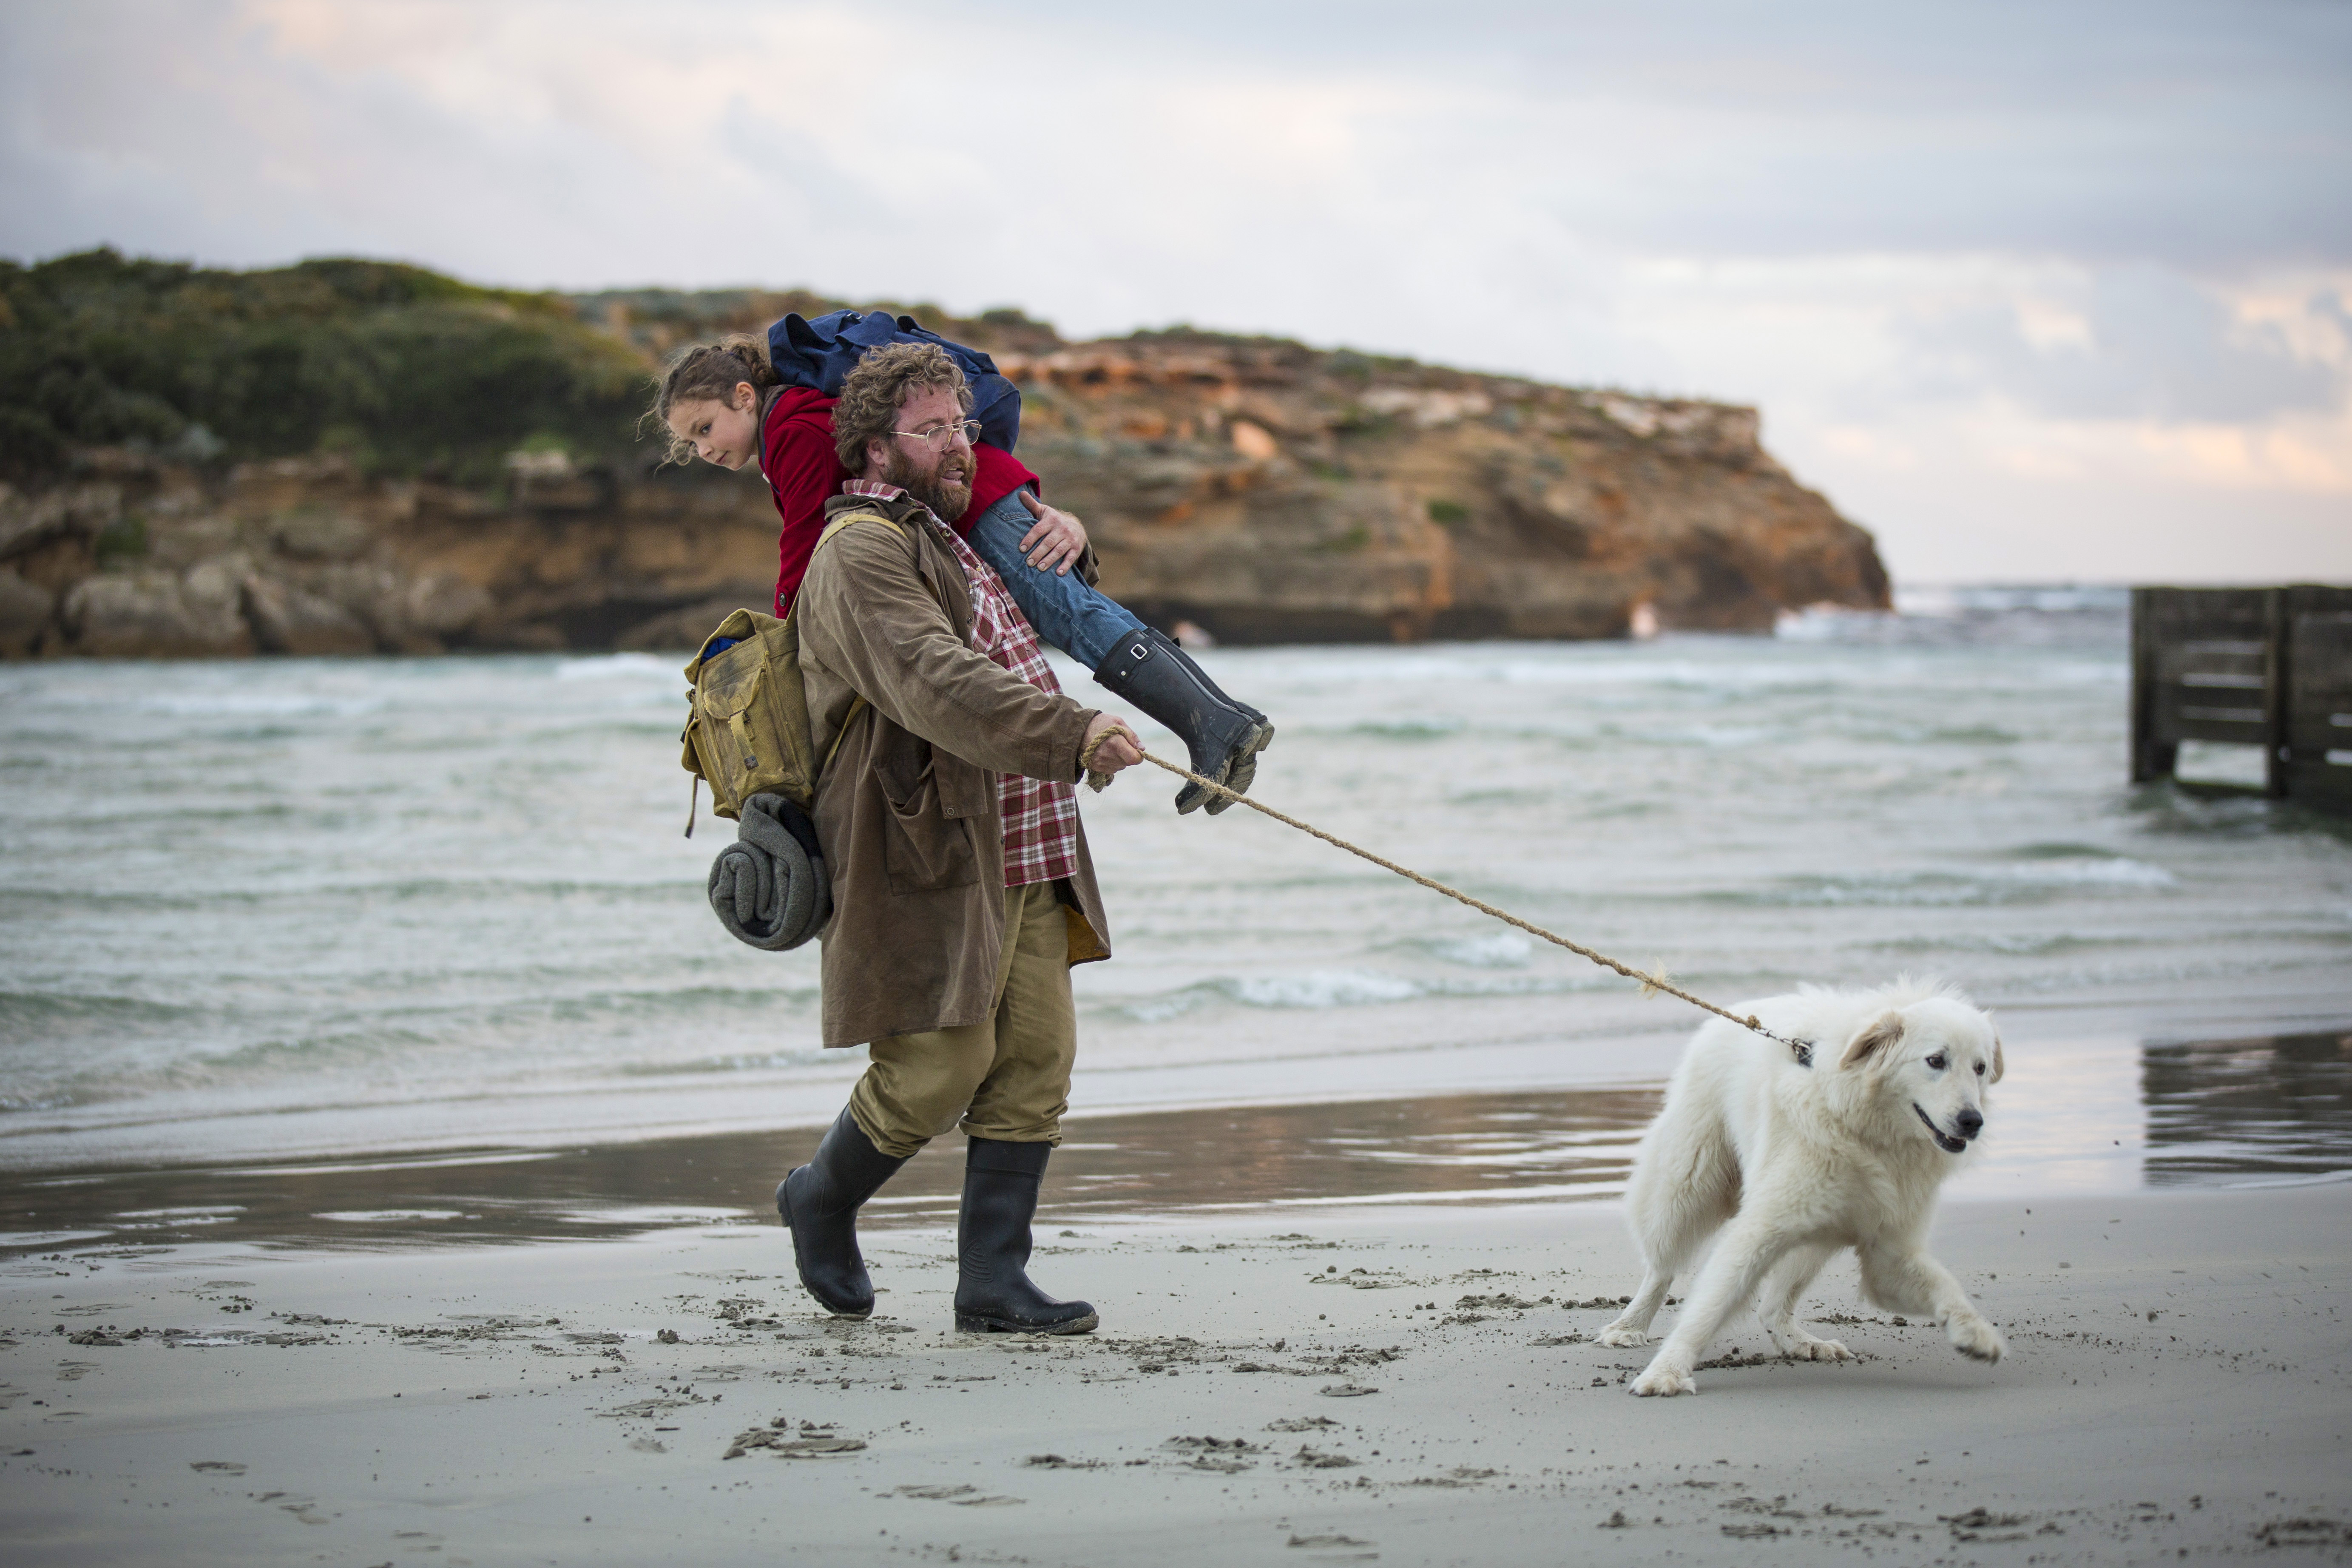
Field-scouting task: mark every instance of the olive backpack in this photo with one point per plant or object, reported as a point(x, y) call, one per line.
point(747, 723)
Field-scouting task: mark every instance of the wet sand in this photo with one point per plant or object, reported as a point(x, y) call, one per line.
point(2094, 1120)
point(1439, 1148)
point(1404, 1385)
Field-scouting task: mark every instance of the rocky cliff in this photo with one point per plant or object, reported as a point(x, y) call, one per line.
point(1270, 492)
point(1261, 489)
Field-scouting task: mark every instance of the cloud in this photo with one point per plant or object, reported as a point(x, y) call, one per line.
point(2138, 343)
point(2024, 245)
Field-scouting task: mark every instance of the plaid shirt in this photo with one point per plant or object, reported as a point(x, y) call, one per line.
point(1041, 815)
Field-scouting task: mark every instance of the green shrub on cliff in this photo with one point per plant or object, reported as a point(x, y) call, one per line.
point(407, 371)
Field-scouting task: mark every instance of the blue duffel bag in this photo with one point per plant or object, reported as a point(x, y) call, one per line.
point(819, 354)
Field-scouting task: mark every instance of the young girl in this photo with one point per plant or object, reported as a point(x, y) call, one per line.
point(724, 403)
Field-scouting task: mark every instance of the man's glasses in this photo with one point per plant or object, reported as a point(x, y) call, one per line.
point(937, 438)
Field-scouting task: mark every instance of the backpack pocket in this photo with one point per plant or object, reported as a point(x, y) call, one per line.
point(742, 731)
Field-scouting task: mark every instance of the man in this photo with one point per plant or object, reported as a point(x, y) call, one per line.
point(962, 891)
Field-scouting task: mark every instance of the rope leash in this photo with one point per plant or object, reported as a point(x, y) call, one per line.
point(1651, 984)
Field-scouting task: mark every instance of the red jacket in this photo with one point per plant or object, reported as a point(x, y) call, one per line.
point(797, 459)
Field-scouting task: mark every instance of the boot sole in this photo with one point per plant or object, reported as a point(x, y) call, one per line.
point(968, 1324)
point(1216, 802)
point(784, 1208)
point(1265, 738)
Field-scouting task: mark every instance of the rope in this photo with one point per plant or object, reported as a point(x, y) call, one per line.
point(1652, 983)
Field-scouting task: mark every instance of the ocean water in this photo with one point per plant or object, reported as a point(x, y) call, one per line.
point(285, 911)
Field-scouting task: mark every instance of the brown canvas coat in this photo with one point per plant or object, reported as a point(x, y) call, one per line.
point(907, 809)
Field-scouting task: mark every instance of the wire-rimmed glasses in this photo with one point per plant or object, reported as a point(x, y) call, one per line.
point(938, 436)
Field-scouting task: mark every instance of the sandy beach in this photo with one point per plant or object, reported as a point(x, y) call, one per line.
point(1407, 1385)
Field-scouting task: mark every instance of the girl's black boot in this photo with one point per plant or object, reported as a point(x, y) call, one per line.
point(993, 1294)
point(1223, 737)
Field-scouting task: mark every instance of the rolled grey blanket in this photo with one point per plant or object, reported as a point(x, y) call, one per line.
point(769, 888)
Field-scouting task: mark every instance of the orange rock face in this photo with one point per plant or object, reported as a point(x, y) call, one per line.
point(1270, 492)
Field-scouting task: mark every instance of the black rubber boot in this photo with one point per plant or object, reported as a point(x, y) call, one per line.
point(820, 1203)
point(1223, 737)
point(993, 1294)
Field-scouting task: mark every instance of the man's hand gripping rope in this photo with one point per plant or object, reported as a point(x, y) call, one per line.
point(1109, 746)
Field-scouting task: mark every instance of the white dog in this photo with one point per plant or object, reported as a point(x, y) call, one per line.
point(1795, 1161)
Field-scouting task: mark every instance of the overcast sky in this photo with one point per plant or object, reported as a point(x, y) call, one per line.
point(2035, 292)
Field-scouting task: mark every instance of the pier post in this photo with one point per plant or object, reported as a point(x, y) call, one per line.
point(2150, 759)
point(2277, 674)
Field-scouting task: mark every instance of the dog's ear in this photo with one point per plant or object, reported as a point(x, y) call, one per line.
point(1873, 1039)
point(1998, 1067)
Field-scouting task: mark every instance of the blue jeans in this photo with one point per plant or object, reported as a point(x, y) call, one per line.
point(1074, 617)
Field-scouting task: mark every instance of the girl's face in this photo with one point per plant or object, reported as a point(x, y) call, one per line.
point(727, 433)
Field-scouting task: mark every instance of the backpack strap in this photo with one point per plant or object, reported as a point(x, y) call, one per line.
point(846, 518)
point(857, 700)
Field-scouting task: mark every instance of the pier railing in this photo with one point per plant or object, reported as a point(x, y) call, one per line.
point(2258, 667)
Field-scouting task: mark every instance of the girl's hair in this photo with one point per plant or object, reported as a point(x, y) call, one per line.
point(705, 372)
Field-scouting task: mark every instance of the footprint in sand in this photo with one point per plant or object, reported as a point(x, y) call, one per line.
point(963, 1497)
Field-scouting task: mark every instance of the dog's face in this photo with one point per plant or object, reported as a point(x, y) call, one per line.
point(1930, 1065)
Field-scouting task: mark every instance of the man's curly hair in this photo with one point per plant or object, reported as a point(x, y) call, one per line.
point(872, 393)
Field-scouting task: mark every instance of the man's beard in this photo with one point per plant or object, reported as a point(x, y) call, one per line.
point(947, 500)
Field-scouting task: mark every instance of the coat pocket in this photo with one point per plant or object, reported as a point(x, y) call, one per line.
point(923, 850)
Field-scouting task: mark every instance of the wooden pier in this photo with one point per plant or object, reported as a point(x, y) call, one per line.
point(2256, 667)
